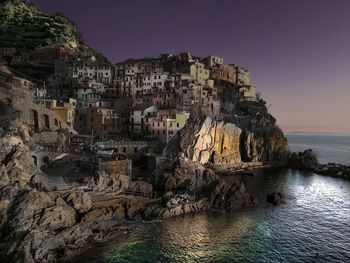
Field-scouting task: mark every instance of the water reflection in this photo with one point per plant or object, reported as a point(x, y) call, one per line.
point(313, 226)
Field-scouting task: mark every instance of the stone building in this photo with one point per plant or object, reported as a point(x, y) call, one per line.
point(103, 123)
point(222, 72)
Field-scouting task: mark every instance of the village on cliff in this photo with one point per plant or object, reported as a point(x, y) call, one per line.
point(123, 108)
point(146, 100)
point(89, 149)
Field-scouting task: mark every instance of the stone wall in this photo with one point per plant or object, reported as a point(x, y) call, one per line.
point(45, 138)
point(35, 116)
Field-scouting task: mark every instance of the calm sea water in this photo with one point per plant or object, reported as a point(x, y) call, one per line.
point(328, 147)
point(313, 226)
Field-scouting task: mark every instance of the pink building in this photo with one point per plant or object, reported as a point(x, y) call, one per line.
point(224, 73)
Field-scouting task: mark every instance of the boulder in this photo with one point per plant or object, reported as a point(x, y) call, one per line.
point(58, 217)
point(275, 198)
point(231, 196)
point(26, 210)
point(305, 160)
point(79, 200)
point(182, 204)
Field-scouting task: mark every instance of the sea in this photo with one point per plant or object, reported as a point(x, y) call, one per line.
point(312, 226)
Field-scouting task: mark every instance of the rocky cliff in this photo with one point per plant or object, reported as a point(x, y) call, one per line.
point(39, 224)
point(206, 140)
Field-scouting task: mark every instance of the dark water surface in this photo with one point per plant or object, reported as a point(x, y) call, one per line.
point(313, 226)
point(328, 147)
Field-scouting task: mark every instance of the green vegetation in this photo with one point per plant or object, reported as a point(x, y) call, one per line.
point(25, 27)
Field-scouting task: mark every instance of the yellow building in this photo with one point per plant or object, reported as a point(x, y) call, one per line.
point(66, 111)
point(175, 124)
point(199, 72)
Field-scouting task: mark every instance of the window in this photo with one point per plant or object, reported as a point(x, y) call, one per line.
point(178, 125)
point(124, 149)
point(171, 124)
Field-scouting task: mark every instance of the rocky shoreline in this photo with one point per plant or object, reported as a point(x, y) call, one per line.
point(42, 224)
point(334, 170)
point(308, 160)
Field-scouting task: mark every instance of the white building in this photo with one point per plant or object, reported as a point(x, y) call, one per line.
point(155, 79)
point(103, 73)
point(212, 61)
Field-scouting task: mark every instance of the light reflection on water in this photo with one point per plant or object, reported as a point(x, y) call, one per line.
point(315, 219)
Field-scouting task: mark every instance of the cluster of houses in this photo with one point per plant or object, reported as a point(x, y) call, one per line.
point(140, 99)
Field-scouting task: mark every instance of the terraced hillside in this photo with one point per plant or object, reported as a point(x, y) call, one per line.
point(26, 27)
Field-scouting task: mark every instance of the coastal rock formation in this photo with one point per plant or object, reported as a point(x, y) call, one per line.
point(333, 169)
point(79, 200)
point(183, 204)
point(267, 145)
point(275, 198)
point(187, 175)
point(231, 196)
point(206, 140)
point(203, 189)
point(217, 142)
point(306, 160)
point(17, 173)
point(42, 225)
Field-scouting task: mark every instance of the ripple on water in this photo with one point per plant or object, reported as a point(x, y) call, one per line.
point(313, 226)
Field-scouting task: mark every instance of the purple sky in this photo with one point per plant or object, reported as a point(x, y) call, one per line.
point(297, 51)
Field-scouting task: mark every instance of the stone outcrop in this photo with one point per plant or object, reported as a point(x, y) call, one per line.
point(306, 160)
point(217, 142)
point(182, 204)
point(79, 200)
point(187, 175)
point(333, 169)
point(42, 225)
point(191, 187)
point(206, 140)
point(231, 196)
point(267, 145)
point(275, 198)
point(17, 172)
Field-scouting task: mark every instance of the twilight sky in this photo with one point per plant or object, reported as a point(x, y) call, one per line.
point(297, 51)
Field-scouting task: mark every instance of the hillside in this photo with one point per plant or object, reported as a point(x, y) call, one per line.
point(26, 27)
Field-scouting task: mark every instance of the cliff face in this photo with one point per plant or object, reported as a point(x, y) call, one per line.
point(211, 141)
point(42, 225)
point(218, 142)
